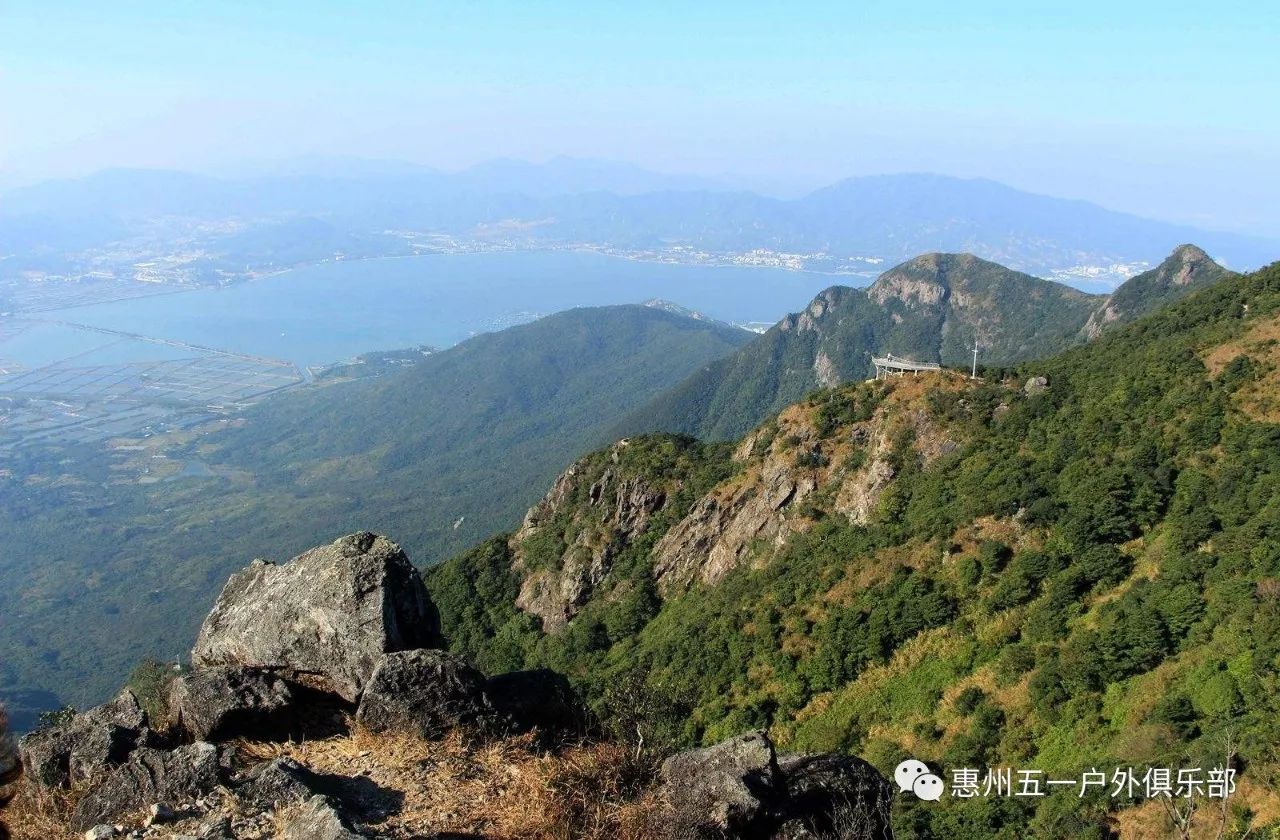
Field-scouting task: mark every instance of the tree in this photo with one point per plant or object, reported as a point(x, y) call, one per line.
point(636, 710)
point(1181, 810)
point(1191, 515)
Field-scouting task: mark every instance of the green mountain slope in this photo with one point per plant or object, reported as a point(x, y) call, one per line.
point(95, 575)
point(932, 308)
point(1185, 270)
point(1076, 566)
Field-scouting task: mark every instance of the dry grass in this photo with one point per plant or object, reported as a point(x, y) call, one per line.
point(1261, 342)
point(498, 789)
point(1150, 820)
point(36, 814)
point(502, 789)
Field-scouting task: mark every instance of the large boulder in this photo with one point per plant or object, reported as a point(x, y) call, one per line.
point(742, 789)
point(331, 612)
point(424, 692)
point(86, 746)
point(149, 776)
point(216, 704)
point(726, 789)
point(1036, 385)
point(833, 796)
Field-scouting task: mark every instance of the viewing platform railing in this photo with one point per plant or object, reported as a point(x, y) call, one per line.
point(890, 365)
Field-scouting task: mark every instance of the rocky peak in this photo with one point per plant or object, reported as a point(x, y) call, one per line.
point(683, 311)
point(1188, 268)
point(811, 317)
point(926, 280)
point(1185, 265)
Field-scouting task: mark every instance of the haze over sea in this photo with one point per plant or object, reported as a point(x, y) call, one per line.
point(332, 311)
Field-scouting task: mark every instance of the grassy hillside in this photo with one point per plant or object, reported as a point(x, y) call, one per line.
point(1062, 574)
point(931, 308)
point(95, 575)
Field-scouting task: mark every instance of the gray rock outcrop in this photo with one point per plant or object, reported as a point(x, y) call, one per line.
point(317, 819)
point(86, 746)
point(725, 526)
point(425, 692)
point(150, 776)
point(332, 612)
point(216, 704)
point(726, 788)
point(1035, 385)
point(288, 651)
point(616, 512)
point(742, 789)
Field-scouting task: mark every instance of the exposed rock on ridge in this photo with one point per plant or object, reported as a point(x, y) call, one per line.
point(614, 510)
point(932, 308)
point(784, 465)
point(1186, 269)
point(724, 525)
point(332, 612)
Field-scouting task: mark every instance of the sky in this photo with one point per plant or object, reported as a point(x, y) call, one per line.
point(1169, 110)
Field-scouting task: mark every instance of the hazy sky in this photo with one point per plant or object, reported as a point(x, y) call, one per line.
point(1167, 109)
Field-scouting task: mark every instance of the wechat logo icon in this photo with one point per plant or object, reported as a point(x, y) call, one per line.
point(915, 776)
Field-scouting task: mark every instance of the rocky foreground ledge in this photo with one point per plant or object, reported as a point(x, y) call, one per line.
point(321, 706)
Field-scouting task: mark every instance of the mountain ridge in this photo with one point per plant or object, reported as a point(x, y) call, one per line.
point(934, 308)
point(891, 217)
point(1067, 565)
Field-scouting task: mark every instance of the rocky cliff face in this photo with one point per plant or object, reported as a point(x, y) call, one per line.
point(786, 462)
point(845, 446)
point(923, 281)
point(592, 510)
point(598, 510)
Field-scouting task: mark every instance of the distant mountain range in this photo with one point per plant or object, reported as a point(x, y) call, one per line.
point(559, 175)
point(566, 202)
point(932, 308)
